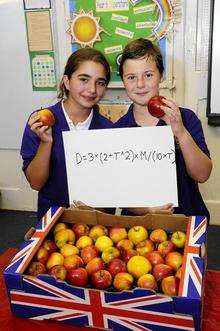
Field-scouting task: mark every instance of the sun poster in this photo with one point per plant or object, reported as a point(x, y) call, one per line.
point(108, 25)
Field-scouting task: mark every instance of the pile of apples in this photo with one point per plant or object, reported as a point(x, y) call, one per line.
point(112, 258)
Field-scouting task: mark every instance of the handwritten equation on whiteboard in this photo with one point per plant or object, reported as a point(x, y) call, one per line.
point(129, 167)
point(124, 155)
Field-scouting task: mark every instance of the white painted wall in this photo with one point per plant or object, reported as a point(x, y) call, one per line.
point(190, 76)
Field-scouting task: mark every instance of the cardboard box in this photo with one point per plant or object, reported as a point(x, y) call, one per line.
point(43, 297)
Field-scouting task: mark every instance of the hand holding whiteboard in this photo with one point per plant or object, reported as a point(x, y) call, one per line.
point(129, 167)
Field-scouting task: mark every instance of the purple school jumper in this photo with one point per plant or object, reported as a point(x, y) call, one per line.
point(190, 199)
point(55, 191)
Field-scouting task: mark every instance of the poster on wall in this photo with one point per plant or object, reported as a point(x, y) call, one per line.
point(108, 25)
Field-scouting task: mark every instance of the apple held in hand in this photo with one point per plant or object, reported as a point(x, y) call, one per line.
point(101, 279)
point(46, 117)
point(154, 106)
point(123, 281)
point(58, 271)
point(170, 285)
point(137, 234)
point(115, 266)
point(78, 277)
point(36, 268)
point(178, 238)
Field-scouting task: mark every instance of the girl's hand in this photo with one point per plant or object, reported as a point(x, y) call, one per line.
point(43, 132)
point(173, 117)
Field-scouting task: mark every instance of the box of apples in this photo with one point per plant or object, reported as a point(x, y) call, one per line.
point(88, 268)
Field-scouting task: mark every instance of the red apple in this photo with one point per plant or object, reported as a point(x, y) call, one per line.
point(154, 105)
point(174, 259)
point(123, 281)
point(147, 281)
point(98, 231)
point(179, 272)
point(46, 117)
point(58, 271)
point(154, 257)
point(73, 262)
point(94, 265)
point(80, 229)
point(117, 233)
point(88, 253)
point(101, 279)
point(36, 268)
point(158, 236)
point(126, 254)
point(78, 277)
point(161, 271)
point(50, 246)
point(125, 244)
point(170, 285)
point(166, 247)
point(178, 238)
point(115, 266)
point(145, 246)
point(42, 255)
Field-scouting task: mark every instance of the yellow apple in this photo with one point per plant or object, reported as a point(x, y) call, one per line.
point(55, 259)
point(178, 238)
point(59, 226)
point(61, 237)
point(98, 231)
point(103, 242)
point(83, 242)
point(137, 234)
point(68, 249)
point(123, 281)
point(110, 253)
point(158, 235)
point(138, 265)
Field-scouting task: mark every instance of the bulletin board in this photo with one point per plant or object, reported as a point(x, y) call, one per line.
point(108, 25)
point(213, 104)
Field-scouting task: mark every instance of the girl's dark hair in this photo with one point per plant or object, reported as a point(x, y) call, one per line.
point(141, 48)
point(76, 59)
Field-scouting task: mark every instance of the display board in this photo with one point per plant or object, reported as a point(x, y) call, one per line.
point(213, 104)
point(18, 99)
point(108, 25)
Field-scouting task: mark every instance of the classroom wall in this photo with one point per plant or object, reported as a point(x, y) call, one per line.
point(191, 91)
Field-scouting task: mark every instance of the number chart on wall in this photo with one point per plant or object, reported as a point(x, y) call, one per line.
point(108, 25)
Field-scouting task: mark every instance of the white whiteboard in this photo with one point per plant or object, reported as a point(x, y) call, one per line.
point(17, 97)
point(213, 111)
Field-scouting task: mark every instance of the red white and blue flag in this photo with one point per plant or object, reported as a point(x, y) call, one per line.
point(137, 310)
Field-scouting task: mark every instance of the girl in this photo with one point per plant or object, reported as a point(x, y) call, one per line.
point(141, 69)
point(85, 79)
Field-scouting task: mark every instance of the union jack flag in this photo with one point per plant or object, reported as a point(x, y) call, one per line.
point(138, 310)
point(30, 247)
point(193, 265)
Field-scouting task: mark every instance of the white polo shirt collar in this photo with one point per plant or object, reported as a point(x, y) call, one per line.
point(79, 126)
